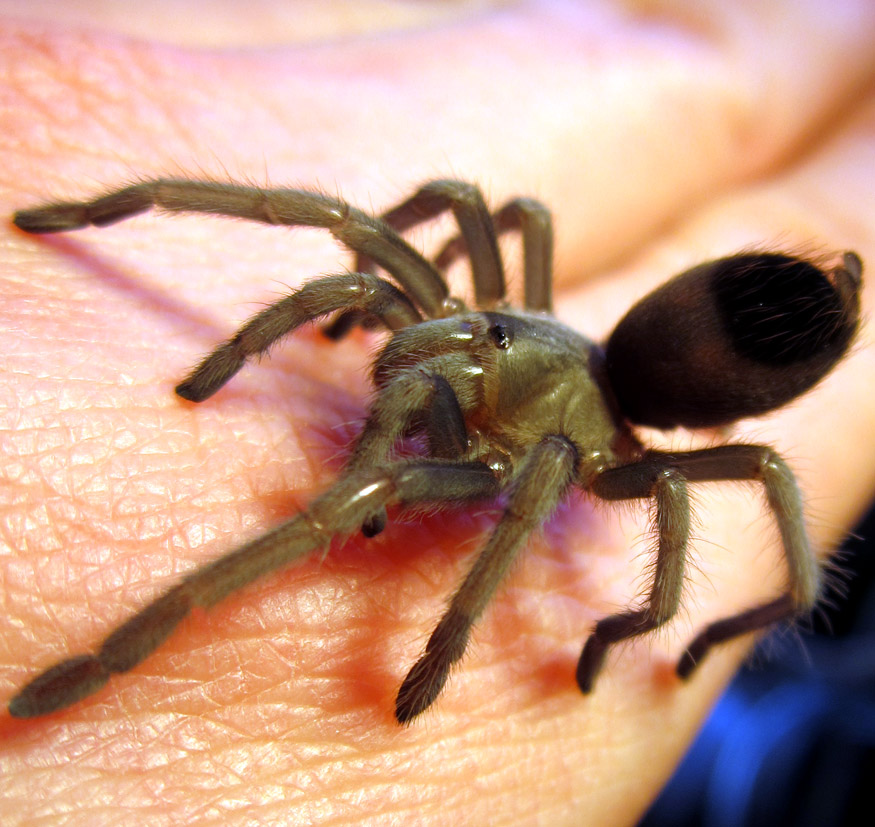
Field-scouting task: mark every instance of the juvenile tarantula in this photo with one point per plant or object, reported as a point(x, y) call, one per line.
point(506, 402)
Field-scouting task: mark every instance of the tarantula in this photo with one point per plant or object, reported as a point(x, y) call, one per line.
point(506, 403)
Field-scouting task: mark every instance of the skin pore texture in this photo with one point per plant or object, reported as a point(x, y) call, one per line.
point(659, 137)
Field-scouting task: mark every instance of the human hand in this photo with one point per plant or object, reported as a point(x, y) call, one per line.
point(656, 142)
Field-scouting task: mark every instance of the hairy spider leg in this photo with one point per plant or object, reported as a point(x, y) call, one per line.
point(359, 231)
point(760, 463)
point(445, 431)
point(543, 478)
point(472, 215)
point(535, 222)
point(357, 291)
point(445, 427)
point(414, 391)
point(656, 478)
point(430, 392)
point(664, 476)
point(479, 242)
point(339, 511)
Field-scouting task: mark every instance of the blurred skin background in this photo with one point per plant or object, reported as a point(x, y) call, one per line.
point(661, 134)
point(792, 741)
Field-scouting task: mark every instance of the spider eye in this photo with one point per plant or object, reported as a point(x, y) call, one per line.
point(733, 338)
point(501, 336)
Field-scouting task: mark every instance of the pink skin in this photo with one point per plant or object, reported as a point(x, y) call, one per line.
point(657, 142)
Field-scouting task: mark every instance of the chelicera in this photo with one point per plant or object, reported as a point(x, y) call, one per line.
point(506, 403)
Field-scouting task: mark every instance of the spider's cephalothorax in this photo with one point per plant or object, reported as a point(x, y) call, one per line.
point(507, 402)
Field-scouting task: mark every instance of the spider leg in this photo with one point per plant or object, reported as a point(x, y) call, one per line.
point(445, 426)
point(443, 386)
point(466, 202)
point(782, 608)
point(546, 472)
point(665, 476)
point(533, 219)
point(339, 511)
point(362, 233)
point(353, 291)
point(422, 394)
point(345, 322)
point(762, 464)
point(651, 477)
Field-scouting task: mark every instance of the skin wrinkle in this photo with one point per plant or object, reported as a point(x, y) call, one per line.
point(123, 716)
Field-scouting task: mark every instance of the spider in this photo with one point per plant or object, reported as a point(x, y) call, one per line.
point(506, 403)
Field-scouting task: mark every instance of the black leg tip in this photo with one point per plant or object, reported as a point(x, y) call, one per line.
point(191, 392)
point(65, 683)
point(51, 219)
point(213, 373)
point(685, 666)
point(404, 714)
point(409, 706)
point(590, 664)
point(692, 657)
point(420, 689)
point(375, 524)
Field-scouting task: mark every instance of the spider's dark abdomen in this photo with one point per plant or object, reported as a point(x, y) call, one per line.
point(732, 338)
